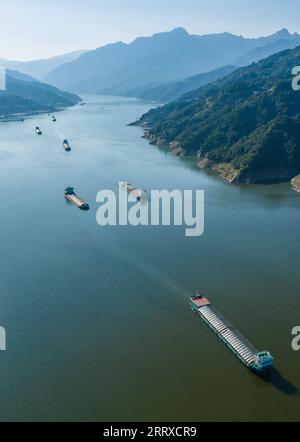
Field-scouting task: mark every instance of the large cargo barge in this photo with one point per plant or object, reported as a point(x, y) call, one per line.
point(259, 362)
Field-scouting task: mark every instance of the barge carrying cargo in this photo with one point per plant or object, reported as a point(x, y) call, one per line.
point(71, 196)
point(259, 362)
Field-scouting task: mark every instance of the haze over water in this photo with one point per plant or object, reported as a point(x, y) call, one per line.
point(97, 319)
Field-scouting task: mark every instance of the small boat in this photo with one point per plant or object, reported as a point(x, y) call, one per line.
point(38, 131)
point(82, 104)
point(53, 119)
point(71, 196)
point(66, 146)
point(138, 194)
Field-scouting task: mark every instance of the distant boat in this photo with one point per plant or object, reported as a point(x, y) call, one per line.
point(53, 118)
point(71, 196)
point(67, 146)
point(138, 194)
point(82, 104)
point(38, 131)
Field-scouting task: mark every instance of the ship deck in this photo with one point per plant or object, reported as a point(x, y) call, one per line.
point(227, 332)
point(76, 200)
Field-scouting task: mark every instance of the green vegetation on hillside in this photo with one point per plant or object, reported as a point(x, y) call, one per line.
point(25, 96)
point(14, 105)
point(249, 121)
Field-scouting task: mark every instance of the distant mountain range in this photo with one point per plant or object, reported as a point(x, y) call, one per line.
point(25, 95)
point(266, 51)
point(169, 91)
point(169, 56)
point(245, 126)
point(40, 68)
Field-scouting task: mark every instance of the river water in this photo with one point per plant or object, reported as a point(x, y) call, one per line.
point(97, 318)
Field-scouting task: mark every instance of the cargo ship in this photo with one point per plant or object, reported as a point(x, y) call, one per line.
point(138, 194)
point(71, 196)
point(259, 362)
point(67, 146)
point(38, 130)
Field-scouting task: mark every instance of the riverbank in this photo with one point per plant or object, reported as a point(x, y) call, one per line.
point(22, 116)
point(26, 115)
point(225, 171)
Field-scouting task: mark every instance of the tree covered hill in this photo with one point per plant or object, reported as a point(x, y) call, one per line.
point(246, 126)
point(26, 95)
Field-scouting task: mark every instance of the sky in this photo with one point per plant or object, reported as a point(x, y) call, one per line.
point(32, 29)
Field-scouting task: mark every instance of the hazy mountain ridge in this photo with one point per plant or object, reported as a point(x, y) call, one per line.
point(245, 126)
point(39, 69)
point(266, 51)
point(164, 57)
point(169, 91)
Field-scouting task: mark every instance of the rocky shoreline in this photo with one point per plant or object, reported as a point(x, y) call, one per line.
point(226, 171)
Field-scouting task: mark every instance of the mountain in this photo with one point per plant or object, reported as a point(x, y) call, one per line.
point(245, 126)
point(13, 105)
point(165, 92)
point(25, 95)
point(40, 68)
point(266, 51)
point(20, 76)
point(112, 68)
point(163, 57)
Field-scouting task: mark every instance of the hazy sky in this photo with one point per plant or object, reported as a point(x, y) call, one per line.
point(33, 29)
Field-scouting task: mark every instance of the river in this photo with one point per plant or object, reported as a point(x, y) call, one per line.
point(97, 318)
